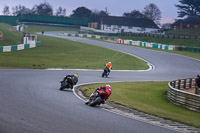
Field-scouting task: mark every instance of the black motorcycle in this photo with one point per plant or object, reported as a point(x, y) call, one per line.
point(105, 72)
point(66, 83)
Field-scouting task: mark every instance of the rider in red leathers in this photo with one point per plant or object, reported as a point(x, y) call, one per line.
point(106, 90)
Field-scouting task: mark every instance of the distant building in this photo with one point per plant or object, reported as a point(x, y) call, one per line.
point(94, 25)
point(114, 24)
point(188, 23)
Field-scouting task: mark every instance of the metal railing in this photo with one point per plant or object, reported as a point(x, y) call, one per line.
point(182, 98)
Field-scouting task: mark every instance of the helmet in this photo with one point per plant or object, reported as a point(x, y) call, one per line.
point(76, 75)
point(108, 85)
point(109, 62)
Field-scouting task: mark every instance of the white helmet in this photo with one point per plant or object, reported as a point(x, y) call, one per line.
point(109, 62)
point(108, 85)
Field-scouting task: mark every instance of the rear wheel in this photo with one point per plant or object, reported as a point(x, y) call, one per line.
point(106, 74)
point(98, 100)
point(103, 74)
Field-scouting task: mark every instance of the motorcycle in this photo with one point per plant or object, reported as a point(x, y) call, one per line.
point(97, 97)
point(66, 84)
point(105, 72)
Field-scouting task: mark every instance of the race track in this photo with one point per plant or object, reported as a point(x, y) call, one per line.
point(30, 100)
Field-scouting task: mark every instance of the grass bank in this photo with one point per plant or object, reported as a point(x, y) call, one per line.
point(37, 28)
point(185, 32)
point(11, 37)
point(63, 53)
point(149, 97)
point(184, 53)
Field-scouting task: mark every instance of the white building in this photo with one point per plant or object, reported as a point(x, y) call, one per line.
point(113, 24)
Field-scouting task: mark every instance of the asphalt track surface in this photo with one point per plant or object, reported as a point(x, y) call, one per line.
point(30, 100)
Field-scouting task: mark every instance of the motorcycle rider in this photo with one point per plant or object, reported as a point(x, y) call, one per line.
point(109, 66)
point(74, 79)
point(106, 89)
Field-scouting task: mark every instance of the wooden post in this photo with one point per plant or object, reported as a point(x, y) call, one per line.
point(179, 84)
point(190, 83)
point(184, 83)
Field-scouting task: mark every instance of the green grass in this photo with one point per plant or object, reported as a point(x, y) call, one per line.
point(185, 32)
point(148, 97)
point(62, 53)
point(11, 37)
point(37, 28)
point(195, 55)
point(180, 42)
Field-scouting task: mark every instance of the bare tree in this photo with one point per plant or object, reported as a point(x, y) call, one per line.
point(19, 10)
point(60, 12)
point(152, 12)
point(6, 10)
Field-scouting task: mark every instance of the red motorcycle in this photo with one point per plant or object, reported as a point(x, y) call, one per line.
point(96, 98)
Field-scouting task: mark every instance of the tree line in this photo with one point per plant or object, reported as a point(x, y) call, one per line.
point(150, 11)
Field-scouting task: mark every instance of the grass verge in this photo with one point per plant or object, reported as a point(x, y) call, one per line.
point(62, 53)
point(186, 32)
point(184, 53)
point(37, 28)
point(11, 37)
point(148, 97)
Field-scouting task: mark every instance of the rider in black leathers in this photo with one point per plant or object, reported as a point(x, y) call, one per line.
point(74, 80)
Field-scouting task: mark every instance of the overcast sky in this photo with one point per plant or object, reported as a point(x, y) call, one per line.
point(115, 7)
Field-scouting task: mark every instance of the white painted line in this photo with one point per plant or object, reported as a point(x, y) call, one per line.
point(60, 69)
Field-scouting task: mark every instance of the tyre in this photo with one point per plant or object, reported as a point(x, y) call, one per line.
point(63, 86)
point(98, 100)
point(103, 74)
point(106, 74)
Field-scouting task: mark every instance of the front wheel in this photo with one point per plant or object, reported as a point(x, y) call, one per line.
point(98, 100)
point(63, 86)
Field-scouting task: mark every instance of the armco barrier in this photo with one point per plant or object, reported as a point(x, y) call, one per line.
point(178, 96)
point(159, 46)
point(89, 36)
point(19, 47)
point(147, 44)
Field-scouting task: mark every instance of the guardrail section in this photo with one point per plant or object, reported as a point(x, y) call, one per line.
point(178, 96)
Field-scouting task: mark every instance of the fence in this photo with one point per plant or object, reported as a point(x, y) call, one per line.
point(182, 98)
point(18, 47)
point(14, 20)
point(159, 46)
point(147, 44)
point(159, 35)
point(90, 36)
